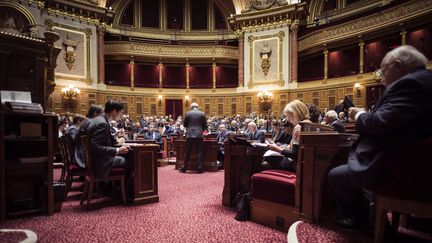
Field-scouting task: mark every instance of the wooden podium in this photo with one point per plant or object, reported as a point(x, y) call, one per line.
point(241, 162)
point(144, 173)
point(209, 155)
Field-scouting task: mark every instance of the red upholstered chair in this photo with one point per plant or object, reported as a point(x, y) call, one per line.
point(117, 174)
point(412, 195)
point(71, 169)
point(273, 194)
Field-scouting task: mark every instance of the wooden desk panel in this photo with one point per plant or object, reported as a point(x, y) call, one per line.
point(241, 162)
point(144, 172)
point(209, 155)
point(318, 154)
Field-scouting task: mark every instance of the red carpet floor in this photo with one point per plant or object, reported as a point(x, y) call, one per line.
point(190, 210)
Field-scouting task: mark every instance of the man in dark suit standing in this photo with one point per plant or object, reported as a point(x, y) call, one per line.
point(196, 123)
point(400, 116)
point(105, 156)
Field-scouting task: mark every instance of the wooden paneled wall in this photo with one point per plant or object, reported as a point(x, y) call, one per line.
point(214, 105)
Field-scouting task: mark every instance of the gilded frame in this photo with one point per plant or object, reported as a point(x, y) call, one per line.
point(86, 32)
point(252, 41)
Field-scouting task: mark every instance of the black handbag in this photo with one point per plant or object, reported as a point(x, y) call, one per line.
point(242, 206)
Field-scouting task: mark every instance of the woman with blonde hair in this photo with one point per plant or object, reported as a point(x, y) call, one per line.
point(296, 112)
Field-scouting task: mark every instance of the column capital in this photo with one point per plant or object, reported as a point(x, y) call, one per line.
point(240, 34)
point(101, 29)
point(294, 26)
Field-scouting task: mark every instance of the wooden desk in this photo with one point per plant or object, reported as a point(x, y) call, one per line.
point(241, 162)
point(209, 155)
point(318, 153)
point(144, 173)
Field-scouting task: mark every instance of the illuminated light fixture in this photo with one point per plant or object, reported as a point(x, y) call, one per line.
point(187, 100)
point(265, 96)
point(357, 88)
point(159, 100)
point(70, 92)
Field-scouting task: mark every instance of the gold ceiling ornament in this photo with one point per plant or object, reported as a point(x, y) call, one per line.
point(256, 5)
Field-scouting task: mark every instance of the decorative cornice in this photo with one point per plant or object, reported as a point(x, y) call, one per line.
point(172, 35)
point(171, 51)
point(79, 10)
point(268, 18)
point(375, 22)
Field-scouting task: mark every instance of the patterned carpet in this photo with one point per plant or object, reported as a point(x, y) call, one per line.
point(190, 210)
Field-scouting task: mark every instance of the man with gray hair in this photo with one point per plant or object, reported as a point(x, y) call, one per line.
point(331, 119)
point(405, 103)
point(196, 123)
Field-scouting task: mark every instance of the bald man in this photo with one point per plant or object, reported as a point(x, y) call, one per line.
point(196, 123)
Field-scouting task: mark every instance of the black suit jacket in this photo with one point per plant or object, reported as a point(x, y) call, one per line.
point(101, 146)
point(257, 135)
point(338, 126)
point(278, 137)
point(196, 123)
point(149, 136)
point(402, 115)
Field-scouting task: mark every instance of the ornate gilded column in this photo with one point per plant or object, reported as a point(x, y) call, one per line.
point(214, 73)
point(187, 73)
point(101, 29)
point(361, 66)
point(325, 52)
point(132, 70)
point(294, 50)
point(160, 74)
point(241, 59)
point(403, 36)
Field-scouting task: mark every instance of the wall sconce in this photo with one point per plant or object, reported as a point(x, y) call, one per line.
point(265, 96)
point(187, 100)
point(357, 88)
point(265, 99)
point(159, 100)
point(71, 92)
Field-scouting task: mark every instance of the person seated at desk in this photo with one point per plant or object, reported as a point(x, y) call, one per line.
point(286, 138)
point(154, 135)
point(342, 117)
point(332, 120)
point(221, 136)
point(296, 111)
point(135, 131)
point(104, 154)
point(278, 133)
point(254, 133)
point(397, 118)
point(73, 130)
point(94, 111)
